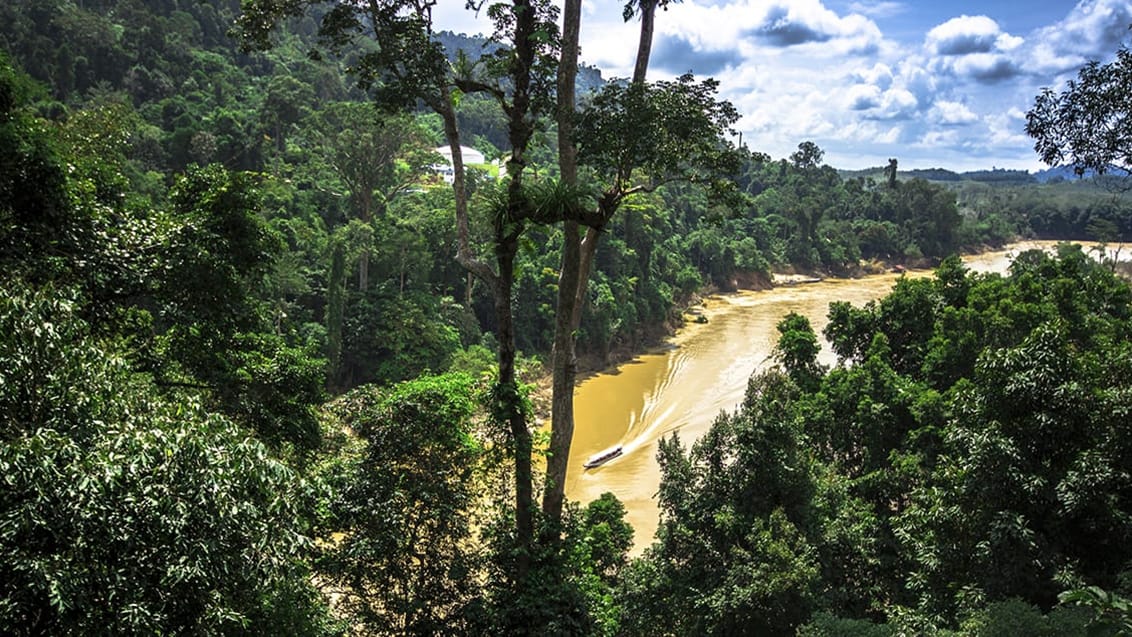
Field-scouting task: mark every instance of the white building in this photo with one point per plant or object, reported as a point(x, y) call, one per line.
point(472, 157)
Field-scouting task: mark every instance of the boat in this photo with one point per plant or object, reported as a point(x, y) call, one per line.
point(599, 459)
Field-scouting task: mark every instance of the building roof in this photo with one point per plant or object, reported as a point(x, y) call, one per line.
point(470, 155)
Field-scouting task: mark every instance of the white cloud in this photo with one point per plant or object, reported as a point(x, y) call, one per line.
point(862, 97)
point(878, 9)
point(973, 48)
point(880, 75)
point(962, 35)
point(1007, 129)
point(969, 34)
point(940, 138)
point(919, 81)
point(898, 103)
point(951, 113)
point(773, 24)
point(1093, 29)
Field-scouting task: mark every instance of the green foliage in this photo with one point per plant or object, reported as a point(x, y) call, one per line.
point(405, 557)
point(962, 465)
point(571, 588)
point(210, 317)
point(129, 514)
point(1109, 611)
point(666, 130)
point(735, 549)
point(797, 350)
point(34, 210)
point(828, 625)
point(1015, 617)
point(997, 504)
point(390, 338)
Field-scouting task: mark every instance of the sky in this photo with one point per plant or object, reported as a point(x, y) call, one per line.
point(929, 83)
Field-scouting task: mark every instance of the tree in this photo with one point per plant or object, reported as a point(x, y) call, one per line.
point(808, 156)
point(286, 102)
point(890, 172)
point(212, 332)
point(409, 65)
point(735, 550)
point(37, 228)
point(377, 158)
point(668, 131)
point(797, 350)
point(1089, 124)
point(407, 508)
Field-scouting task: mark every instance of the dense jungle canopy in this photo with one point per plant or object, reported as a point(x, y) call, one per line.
point(263, 370)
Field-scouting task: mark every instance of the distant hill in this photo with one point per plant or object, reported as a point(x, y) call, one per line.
point(995, 175)
point(1000, 175)
point(931, 174)
point(1061, 173)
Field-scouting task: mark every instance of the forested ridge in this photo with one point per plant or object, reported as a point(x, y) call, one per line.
point(254, 372)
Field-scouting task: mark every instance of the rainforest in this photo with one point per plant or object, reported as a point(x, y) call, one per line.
point(304, 306)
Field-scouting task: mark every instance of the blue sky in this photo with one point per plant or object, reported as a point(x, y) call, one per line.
point(933, 84)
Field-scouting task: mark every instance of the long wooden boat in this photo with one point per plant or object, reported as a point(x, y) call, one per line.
point(603, 457)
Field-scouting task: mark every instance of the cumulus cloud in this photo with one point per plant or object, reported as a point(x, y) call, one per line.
point(779, 28)
point(951, 113)
point(880, 76)
point(677, 54)
point(919, 81)
point(774, 24)
point(969, 34)
point(989, 69)
point(862, 97)
point(974, 48)
point(1093, 29)
point(895, 104)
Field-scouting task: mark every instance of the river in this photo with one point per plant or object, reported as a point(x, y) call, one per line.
point(699, 372)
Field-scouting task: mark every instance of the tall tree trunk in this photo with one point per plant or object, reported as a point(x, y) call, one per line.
point(644, 45)
point(563, 359)
point(363, 260)
point(577, 255)
point(509, 402)
point(335, 314)
point(363, 270)
point(464, 255)
point(507, 234)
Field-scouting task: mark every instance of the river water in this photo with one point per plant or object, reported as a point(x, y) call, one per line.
point(701, 371)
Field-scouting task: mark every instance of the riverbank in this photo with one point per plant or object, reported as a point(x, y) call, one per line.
point(701, 308)
point(654, 338)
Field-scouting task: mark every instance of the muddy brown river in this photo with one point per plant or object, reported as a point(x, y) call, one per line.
point(700, 372)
